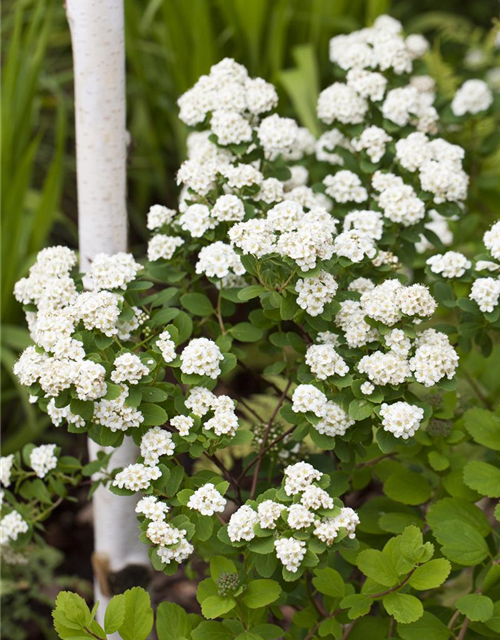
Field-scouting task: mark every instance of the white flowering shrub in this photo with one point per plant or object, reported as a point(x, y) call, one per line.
point(281, 356)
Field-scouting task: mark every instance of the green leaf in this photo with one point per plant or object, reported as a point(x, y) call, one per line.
point(260, 593)
point(267, 631)
point(115, 614)
point(460, 542)
point(430, 575)
point(428, 627)
point(378, 566)
point(172, 622)
point(211, 631)
point(221, 564)
point(407, 487)
point(153, 414)
point(198, 304)
point(360, 409)
point(483, 477)
point(403, 607)
point(358, 605)
point(138, 620)
point(215, 606)
point(477, 608)
point(456, 509)
point(484, 427)
point(395, 522)
point(330, 627)
point(250, 292)
point(246, 332)
point(329, 582)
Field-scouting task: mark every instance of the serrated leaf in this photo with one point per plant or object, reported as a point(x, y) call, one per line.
point(115, 614)
point(215, 606)
point(403, 607)
point(172, 622)
point(407, 487)
point(430, 575)
point(154, 415)
point(460, 542)
point(477, 608)
point(428, 627)
point(329, 582)
point(378, 566)
point(483, 477)
point(138, 620)
point(246, 332)
point(484, 427)
point(260, 593)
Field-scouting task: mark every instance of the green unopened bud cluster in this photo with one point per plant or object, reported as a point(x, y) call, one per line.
point(228, 583)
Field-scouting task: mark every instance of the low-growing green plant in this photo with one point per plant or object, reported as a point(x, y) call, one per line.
point(285, 369)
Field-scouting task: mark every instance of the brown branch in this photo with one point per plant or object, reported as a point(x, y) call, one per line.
point(265, 437)
point(463, 629)
point(269, 446)
point(220, 465)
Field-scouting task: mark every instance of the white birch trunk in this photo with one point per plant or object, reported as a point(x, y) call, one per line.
point(97, 32)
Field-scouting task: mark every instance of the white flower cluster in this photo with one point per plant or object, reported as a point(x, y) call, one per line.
point(166, 346)
point(397, 200)
point(183, 424)
point(58, 362)
point(128, 368)
point(401, 419)
point(163, 247)
point(159, 216)
point(305, 237)
point(345, 186)
point(434, 358)
point(136, 477)
point(116, 414)
point(228, 89)
point(472, 97)
point(171, 541)
point(491, 240)
point(373, 140)
point(316, 292)
point(298, 481)
point(324, 361)
point(334, 420)
point(218, 260)
point(207, 500)
point(112, 272)
point(224, 420)
point(300, 476)
point(156, 442)
point(439, 164)
point(290, 552)
point(486, 291)
point(43, 459)
point(380, 47)
point(6, 463)
point(327, 529)
point(449, 265)
point(202, 357)
point(11, 526)
point(390, 301)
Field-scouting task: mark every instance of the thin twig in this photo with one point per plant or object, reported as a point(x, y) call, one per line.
point(475, 387)
point(463, 629)
point(269, 446)
point(265, 437)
